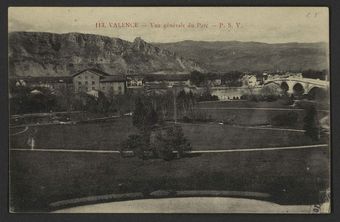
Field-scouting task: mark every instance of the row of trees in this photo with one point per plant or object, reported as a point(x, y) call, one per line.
point(36, 100)
point(27, 100)
point(40, 99)
point(231, 79)
point(315, 74)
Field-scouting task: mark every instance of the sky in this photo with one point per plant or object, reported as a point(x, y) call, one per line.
point(259, 24)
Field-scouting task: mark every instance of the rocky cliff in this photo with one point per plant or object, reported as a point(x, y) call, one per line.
point(50, 54)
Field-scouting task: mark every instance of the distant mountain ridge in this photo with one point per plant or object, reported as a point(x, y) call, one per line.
point(50, 54)
point(224, 56)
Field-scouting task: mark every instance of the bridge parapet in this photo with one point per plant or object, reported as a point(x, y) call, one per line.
point(317, 82)
point(307, 84)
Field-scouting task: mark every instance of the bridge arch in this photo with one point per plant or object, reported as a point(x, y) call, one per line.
point(298, 89)
point(317, 93)
point(284, 87)
point(302, 87)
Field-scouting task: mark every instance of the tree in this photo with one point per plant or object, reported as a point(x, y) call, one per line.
point(170, 140)
point(197, 78)
point(65, 98)
point(139, 114)
point(315, 74)
point(144, 116)
point(102, 103)
point(185, 102)
point(310, 121)
point(135, 143)
point(232, 79)
point(152, 117)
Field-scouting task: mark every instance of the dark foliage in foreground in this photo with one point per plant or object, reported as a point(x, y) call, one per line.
point(311, 123)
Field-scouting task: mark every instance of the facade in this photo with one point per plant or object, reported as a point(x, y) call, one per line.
point(113, 85)
point(249, 80)
point(134, 81)
point(96, 80)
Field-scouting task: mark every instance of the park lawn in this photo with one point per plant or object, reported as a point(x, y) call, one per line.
point(212, 136)
point(249, 117)
point(109, 136)
point(289, 176)
point(214, 110)
point(95, 135)
point(242, 103)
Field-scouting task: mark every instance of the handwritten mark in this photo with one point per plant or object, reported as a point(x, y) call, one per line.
point(312, 14)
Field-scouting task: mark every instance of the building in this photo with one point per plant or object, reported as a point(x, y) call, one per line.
point(249, 80)
point(134, 81)
point(170, 80)
point(54, 83)
point(215, 82)
point(113, 85)
point(96, 80)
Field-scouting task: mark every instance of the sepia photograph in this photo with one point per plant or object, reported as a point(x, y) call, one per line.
point(169, 110)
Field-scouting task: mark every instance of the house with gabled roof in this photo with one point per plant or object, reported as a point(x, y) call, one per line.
point(93, 79)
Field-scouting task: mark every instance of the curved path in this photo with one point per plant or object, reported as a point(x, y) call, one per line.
point(190, 205)
point(23, 131)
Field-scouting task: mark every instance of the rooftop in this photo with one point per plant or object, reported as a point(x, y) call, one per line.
point(95, 71)
point(113, 78)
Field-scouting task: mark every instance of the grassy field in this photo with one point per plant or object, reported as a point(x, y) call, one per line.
point(109, 135)
point(324, 105)
point(102, 135)
point(213, 136)
point(289, 176)
point(230, 114)
point(248, 117)
point(242, 103)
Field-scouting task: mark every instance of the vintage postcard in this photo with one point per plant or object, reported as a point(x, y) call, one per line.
point(169, 109)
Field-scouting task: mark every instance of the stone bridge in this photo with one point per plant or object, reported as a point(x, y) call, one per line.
point(301, 86)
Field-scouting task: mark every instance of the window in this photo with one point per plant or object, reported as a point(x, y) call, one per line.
point(79, 83)
point(93, 87)
point(79, 77)
point(93, 82)
point(86, 82)
point(103, 88)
